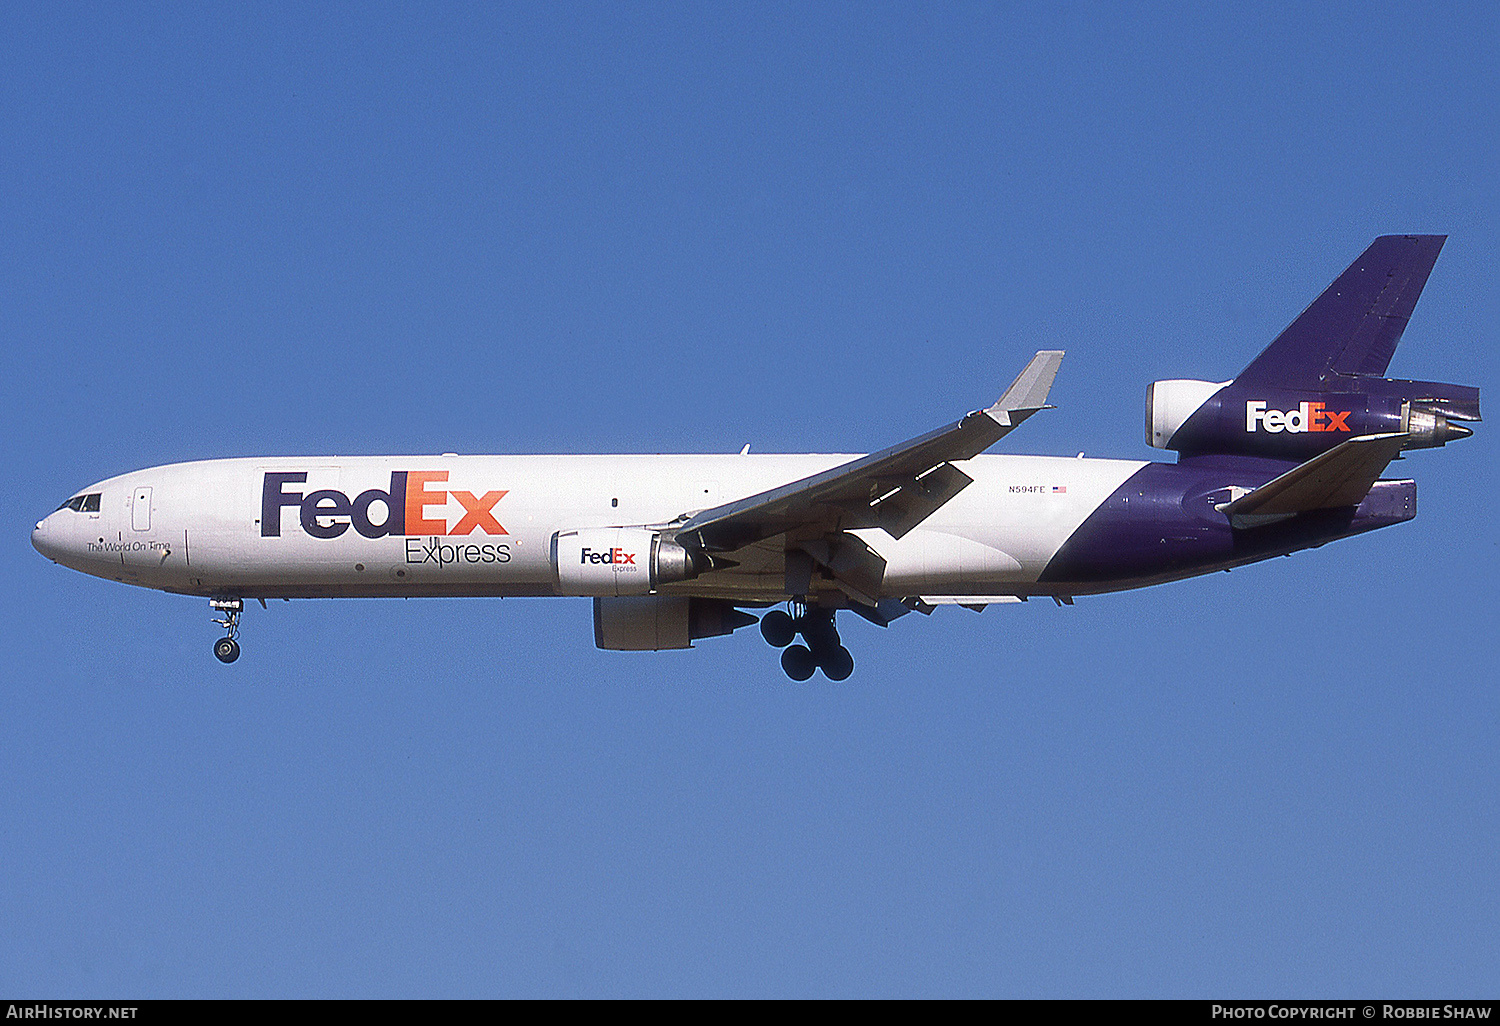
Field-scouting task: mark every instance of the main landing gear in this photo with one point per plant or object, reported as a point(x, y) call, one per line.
point(823, 650)
point(226, 648)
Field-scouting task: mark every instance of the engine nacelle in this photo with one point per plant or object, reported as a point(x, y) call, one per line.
point(1170, 403)
point(611, 561)
point(650, 623)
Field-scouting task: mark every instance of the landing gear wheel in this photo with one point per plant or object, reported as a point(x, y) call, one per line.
point(778, 629)
point(837, 664)
point(798, 662)
point(818, 630)
point(226, 649)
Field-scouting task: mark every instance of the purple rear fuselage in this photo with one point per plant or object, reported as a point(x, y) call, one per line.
point(1162, 524)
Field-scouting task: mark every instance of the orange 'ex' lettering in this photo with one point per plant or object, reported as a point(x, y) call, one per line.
point(477, 513)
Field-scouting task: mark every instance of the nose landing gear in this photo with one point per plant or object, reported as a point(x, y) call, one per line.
point(823, 650)
point(227, 649)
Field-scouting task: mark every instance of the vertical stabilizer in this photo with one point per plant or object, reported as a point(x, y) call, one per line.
point(1353, 327)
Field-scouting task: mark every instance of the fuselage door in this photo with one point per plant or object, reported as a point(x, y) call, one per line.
point(140, 509)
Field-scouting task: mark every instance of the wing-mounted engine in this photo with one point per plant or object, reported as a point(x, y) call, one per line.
point(651, 623)
point(611, 561)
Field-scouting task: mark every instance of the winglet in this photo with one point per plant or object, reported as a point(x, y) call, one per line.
point(1029, 391)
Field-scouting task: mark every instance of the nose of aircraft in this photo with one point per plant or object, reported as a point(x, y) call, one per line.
point(41, 538)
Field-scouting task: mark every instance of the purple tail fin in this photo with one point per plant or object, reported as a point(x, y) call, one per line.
point(1353, 327)
point(1321, 383)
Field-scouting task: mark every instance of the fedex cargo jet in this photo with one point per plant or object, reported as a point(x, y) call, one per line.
point(1287, 455)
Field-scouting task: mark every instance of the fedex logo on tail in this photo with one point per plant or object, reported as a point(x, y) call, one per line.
point(1306, 417)
point(328, 512)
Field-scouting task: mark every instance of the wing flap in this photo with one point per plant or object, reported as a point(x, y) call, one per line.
point(974, 602)
point(909, 503)
point(857, 569)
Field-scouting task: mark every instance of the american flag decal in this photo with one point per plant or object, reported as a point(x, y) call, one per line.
point(1059, 488)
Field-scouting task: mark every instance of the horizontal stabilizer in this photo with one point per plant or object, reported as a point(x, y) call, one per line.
point(1342, 476)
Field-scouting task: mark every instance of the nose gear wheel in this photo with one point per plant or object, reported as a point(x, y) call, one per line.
point(227, 649)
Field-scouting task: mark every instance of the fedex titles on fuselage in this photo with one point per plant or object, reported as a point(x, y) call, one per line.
point(330, 513)
point(1306, 417)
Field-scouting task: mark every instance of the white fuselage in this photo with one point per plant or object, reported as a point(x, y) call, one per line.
point(249, 527)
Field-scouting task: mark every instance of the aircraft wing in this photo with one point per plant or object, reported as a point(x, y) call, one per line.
point(894, 489)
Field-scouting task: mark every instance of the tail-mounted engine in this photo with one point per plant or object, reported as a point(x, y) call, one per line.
point(1198, 417)
point(612, 561)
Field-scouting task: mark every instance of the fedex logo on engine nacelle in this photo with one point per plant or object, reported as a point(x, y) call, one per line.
point(614, 557)
point(1306, 417)
point(328, 512)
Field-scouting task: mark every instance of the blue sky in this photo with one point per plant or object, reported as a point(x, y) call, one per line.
point(657, 228)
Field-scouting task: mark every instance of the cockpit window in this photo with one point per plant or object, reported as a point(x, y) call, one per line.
point(82, 503)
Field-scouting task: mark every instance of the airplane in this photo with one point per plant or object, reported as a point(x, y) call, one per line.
point(1286, 455)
